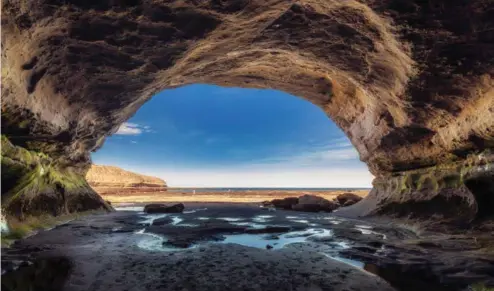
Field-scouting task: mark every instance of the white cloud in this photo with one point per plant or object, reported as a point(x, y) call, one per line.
point(133, 141)
point(128, 128)
point(339, 153)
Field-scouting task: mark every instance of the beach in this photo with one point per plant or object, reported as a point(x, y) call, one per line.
point(246, 196)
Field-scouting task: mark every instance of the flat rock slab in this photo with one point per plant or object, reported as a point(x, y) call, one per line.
point(228, 267)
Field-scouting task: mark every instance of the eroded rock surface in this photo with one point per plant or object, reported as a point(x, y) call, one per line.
point(110, 179)
point(410, 84)
point(117, 252)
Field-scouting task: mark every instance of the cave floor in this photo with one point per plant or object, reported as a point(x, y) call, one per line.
point(225, 246)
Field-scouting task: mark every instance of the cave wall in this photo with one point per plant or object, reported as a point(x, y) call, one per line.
point(409, 84)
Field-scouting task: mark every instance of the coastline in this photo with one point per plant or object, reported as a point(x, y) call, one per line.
point(247, 196)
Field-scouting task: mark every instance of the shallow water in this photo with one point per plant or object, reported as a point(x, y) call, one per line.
point(231, 219)
point(129, 208)
point(249, 224)
point(262, 240)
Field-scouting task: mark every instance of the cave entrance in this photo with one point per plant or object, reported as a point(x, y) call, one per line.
point(483, 190)
point(211, 136)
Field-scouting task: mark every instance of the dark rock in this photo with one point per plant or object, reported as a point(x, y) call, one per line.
point(163, 208)
point(268, 247)
point(125, 229)
point(313, 203)
point(355, 235)
point(162, 221)
point(348, 197)
point(307, 207)
point(266, 203)
point(285, 203)
point(178, 244)
point(269, 229)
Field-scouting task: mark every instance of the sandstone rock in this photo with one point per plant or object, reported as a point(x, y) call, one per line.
point(407, 104)
point(114, 180)
point(285, 203)
point(163, 208)
point(348, 197)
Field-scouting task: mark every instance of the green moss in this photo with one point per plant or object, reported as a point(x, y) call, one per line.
point(453, 180)
point(428, 182)
point(404, 184)
point(24, 124)
point(20, 229)
point(480, 287)
point(28, 173)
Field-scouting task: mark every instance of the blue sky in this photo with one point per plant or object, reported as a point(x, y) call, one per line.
point(210, 136)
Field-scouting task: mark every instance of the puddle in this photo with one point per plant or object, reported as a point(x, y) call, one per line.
point(249, 224)
point(153, 242)
point(149, 218)
point(364, 230)
point(176, 220)
point(129, 208)
point(261, 218)
point(194, 210)
point(262, 240)
point(230, 219)
point(300, 220)
point(150, 241)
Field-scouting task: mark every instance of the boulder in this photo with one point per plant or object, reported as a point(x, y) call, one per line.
point(162, 221)
point(285, 203)
point(312, 203)
point(307, 207)
point(266, 203)
point(343, 198)
point(163, 208)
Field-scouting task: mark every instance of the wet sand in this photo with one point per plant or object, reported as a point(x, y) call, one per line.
point(222, 246)
point(234, 196)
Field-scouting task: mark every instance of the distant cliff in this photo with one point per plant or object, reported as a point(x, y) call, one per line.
point(110, 179)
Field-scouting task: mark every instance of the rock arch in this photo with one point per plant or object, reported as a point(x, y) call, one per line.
point(410, 85)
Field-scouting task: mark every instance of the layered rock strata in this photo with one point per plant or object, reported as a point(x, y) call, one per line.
point(114, 180)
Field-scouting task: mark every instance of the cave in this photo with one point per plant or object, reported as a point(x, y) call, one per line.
point(411, 88)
